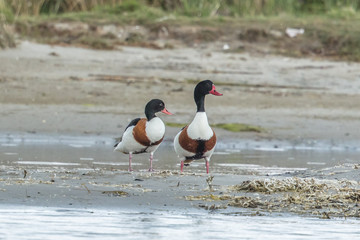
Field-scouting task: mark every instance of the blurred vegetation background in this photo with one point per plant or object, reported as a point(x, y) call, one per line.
point(332, 27)
point(195, 8)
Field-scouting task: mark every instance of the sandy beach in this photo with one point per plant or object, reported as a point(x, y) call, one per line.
point(52, 89)
point(48, 92)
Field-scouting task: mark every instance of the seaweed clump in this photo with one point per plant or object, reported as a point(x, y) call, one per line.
point(281, 185)
point(325, 199)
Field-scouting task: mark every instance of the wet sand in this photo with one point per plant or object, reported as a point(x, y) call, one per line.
point(81, 91)
point(38, 179)
point(302, 103)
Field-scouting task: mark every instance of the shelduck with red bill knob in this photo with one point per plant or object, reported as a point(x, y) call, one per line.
point(197, 140)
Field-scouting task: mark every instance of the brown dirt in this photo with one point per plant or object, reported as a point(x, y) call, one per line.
point(241, 36)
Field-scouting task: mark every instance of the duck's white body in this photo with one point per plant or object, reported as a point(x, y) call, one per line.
point(198, 129)
point(154, 130)
point(197, 140)
point(144, 134)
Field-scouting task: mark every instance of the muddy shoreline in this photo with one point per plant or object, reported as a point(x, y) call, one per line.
point(67, 91)
point(170, 191)
point(290, 98)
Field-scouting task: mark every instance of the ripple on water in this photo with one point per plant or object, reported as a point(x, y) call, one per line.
point(45, 223)
point(38, 150)
point(47, 163)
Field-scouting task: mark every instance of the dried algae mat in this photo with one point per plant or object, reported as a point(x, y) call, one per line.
point(323, 198)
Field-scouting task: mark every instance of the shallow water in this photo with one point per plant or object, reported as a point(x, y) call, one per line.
point(55, 223)
point(97, 152)
point(36, 151)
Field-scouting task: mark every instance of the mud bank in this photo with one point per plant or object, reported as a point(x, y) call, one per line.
point(78, 92)
point(51, 89)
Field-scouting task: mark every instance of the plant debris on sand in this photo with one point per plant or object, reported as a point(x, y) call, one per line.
point(330, 198)
point(281, 185)
point(118, 193)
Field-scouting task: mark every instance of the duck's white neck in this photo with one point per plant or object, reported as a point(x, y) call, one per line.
point(155, 129)
point(199, 128)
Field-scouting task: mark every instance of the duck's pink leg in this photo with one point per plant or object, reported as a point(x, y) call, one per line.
point(130, 158)
point(151, 160)
point(207, 165)
point(181, 166)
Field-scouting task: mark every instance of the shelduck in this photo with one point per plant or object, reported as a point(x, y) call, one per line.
point(197, 140)
point(144, 135)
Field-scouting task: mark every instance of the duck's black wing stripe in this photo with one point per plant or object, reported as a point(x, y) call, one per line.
point(132, 123)
point(199, 151)
point(183, 128)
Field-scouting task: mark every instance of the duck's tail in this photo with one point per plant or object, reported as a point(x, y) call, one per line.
point(118, 141)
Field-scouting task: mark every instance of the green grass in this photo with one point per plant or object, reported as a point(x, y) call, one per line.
point(232, 127)
point(6, 12)
point(189, 8)
point(332, 27)
point(239, 127)
point(177, 125)
point(324, 36)
point(6, 16)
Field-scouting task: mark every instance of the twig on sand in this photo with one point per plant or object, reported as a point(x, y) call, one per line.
point(209, 182)
point(86, 187)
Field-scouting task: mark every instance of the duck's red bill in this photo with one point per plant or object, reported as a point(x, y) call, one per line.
point(166, 111)
point(214, 92)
